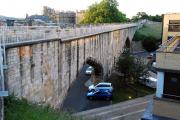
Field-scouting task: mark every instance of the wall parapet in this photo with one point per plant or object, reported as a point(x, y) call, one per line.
point(18, 35)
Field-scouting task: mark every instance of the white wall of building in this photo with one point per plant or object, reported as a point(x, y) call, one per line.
point(160, 84)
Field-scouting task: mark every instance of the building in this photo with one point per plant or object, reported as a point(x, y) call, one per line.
point(2, 22)
point(168, 59)
point(166, 104)
point(67, 18)
point(62, 18)
point(10, 22)
point(51, 13)
point(80, 16)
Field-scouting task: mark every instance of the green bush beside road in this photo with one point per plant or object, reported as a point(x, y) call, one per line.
point(16, 109)
point(123, 93)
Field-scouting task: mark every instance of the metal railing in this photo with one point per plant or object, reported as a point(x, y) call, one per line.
point(172, 45)
point(18, 34)
point(173, 50)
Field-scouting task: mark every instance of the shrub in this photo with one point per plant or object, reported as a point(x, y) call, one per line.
point(150, 43)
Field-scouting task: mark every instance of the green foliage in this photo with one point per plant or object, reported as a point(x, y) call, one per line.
point(104, 12)
point(138, 36)
point(156, 18)
point(16, 109)
point(143, 15)
point(147, 33)
point(125, 63)
point(131, 67)
point(122, 93)
point(150, 44)
point(154, 30)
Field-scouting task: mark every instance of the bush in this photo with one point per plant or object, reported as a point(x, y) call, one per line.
point(16, 109)
point(131, 67)
point(138, 36)
point(150, 43)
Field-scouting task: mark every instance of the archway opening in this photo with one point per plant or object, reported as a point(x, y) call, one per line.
point(127, 45)
point(98, 69)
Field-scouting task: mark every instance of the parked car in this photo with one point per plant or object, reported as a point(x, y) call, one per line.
point(152, 56)
point(101, 86)
point(100, 94)
point(154, 64)
point(149, 81)
point(89, 70)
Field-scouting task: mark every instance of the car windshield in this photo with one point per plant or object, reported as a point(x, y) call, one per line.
point(90, 68)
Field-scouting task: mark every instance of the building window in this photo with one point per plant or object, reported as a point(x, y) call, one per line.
point(173, 80)
point(174, 26)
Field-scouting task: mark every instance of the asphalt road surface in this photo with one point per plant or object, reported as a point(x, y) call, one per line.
point(76, 100)
point(128, 110)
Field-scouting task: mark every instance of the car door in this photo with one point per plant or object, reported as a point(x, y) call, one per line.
point(98, 87)
point(98, 95)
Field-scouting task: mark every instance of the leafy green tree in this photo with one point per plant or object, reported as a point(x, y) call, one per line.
point(150, 43)
point(143, 15)
point(131, 67)
point(104, 12)
point(156, 18)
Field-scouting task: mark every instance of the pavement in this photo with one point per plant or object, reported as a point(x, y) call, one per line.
point(76, 100)
point(128, 110)
point(142, 54)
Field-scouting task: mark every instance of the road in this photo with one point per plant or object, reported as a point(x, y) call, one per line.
point(128, 110)
point(76, 100)
point(142, 54)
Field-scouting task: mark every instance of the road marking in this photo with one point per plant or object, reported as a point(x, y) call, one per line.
point(128, 106)
point(117, 117)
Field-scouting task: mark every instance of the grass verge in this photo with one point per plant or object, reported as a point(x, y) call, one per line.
point(153, 30)
point(16, 109)
point(123, 93)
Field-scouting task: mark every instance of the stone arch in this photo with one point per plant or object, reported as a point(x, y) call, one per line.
point(127, 44)
point(98, 68)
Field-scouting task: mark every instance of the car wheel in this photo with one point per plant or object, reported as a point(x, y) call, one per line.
point(108, 98)
point(90, 98)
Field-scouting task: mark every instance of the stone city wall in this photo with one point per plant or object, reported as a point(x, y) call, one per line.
point(42, 72)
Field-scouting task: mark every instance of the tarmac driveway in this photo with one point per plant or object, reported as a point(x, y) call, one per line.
point(76, 100)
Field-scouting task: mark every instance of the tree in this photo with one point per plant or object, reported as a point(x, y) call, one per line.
point(156, 18)
point(150, 43)
point(131, 67)
point(143, 15)
point(104, 12)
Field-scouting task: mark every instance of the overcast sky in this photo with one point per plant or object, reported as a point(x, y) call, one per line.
point(19, 8)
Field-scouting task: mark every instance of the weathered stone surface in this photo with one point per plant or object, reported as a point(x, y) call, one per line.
point(43, 72)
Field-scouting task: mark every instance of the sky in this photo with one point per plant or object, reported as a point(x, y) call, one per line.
point(19, 8)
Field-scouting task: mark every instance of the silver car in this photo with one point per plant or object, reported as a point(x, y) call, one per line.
point(89, 70)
